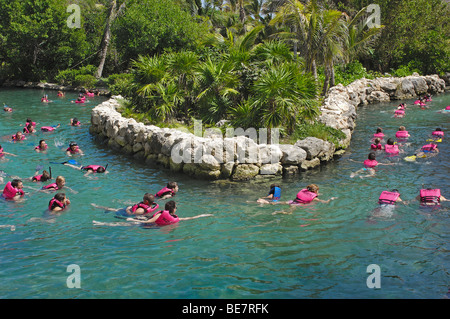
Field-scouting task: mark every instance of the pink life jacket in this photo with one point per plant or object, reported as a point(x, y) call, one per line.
point(399, 112)
point(417, 102)
point(430, 195)
point(89, 94)
point(166, 218)
point(1, 152)
point(9, 192)
point(370, 163)
point(39, 148)
point(388, 197)
point(438, 133)
point(51, 186)
point(73, 151)
point(14, 137)
point(428, 100)
point(401, 134)
point(381, 134)
point(429, 147)
point(448, 108)
point(37, 178)
point(47, 128)
point(165, 191)
point(376, 146)
point(391, 149)
point(148, 209)
point(92, 167)
point(305, 196)
point(82, 101)
point(54, 202)
point(76, 123)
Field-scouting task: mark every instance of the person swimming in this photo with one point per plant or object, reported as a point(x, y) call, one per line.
point(273, 196)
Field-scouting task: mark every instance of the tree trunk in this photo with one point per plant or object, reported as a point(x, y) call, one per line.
point(326, 81)
point(113, 12)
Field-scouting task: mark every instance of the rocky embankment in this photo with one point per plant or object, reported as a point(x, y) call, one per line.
point(50, 86)
point(340, 105)
point(213, 156)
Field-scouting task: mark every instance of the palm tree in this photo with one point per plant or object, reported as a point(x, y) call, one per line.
point(283, 97)
point(217, 83)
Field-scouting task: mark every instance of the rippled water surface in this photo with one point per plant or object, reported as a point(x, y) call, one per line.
point(244, 250)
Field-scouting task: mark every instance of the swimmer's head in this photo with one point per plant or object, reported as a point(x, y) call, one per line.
point(390, 141)
point(150, 198)
point(170, 206)
point(371, 156)
point(313, 188)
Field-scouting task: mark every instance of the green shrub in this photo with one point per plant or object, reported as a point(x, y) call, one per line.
point(85, 80)
point(318, 130)
point(120, 83)
point(68, 77)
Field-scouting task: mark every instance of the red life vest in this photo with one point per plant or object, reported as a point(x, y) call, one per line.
point(165, 218)
point(92, 167)
point(388, 197)
point(391, 149)
point(401, 134)
point(51, 186)
point(47, 128)
point(9, 192)
point(54, 202)
point(305, 196)
point(73, 151)
point(370, 163)
point(148, 209)
point(430, 195)
point(376, 146)
point(429, 147)
point(165, 191)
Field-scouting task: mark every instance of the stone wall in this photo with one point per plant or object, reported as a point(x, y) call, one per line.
point(241, 158)
point(49, 86)
point(217, 157)
point(339, 107)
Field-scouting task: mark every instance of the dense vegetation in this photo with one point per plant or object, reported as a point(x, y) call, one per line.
point(255, 63)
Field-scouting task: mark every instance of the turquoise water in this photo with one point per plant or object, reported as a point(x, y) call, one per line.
point(243, 251)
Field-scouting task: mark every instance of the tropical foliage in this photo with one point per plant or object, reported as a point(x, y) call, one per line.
point(251, 62)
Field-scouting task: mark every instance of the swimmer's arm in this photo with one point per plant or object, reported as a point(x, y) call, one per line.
point(73, 166)
point(148, 221)
point(443, 199)
point(324, 201)
point(194, 217)
point(9, 154)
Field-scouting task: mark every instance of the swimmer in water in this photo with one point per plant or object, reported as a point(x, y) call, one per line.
point(167, 192)
point(307, 195)
point(42, 147)
point(73, 149)
point(90, 169)
point(58, 203)
point(369, 164)
point(273, 196)
point(387, 202)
